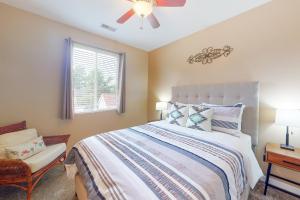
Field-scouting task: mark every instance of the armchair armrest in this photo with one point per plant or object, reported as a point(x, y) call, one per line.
point(50, 140)
point(13, 169)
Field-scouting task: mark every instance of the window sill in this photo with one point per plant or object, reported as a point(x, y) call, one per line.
point(98, 111)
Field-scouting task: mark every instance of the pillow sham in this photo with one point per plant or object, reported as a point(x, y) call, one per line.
point(226, 119)
point(178, 114)
point(26, 150)
point(199, 118)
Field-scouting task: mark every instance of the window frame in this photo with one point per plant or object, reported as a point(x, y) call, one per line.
point(97, 50)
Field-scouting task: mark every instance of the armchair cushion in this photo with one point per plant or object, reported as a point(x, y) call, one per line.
point(42, 159)
point(15, 138)
point(26, 150)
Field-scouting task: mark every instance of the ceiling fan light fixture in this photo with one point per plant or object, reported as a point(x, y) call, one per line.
point(143, 8)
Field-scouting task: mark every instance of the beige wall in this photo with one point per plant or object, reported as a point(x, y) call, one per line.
point(31, 57)
point(266, 44)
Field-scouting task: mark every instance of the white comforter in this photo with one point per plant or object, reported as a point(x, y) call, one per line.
point(165, 161)
point(242, 143)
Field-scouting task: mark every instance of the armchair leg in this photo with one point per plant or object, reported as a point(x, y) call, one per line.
point(29, 194)
point(29, 188)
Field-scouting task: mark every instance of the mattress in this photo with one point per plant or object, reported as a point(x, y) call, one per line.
point(164, 161)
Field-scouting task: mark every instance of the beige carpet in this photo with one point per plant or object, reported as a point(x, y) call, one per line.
point(56, 186)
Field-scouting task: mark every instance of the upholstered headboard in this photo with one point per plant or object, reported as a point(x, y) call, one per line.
point(226, 94)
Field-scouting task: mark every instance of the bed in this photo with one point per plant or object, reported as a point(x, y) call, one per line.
point(159, 160)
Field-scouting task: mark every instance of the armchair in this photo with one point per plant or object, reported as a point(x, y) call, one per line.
point(25, 174)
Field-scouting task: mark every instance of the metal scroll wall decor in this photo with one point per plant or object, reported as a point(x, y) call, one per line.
point(209, 54)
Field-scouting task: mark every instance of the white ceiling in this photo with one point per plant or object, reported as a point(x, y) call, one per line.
point(175, 23)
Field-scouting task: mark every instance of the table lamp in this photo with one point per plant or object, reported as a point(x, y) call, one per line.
point(288, 118)
point(161, 106)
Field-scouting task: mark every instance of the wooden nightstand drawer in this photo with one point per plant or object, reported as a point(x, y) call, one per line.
point(284, 161)
point(283, 158)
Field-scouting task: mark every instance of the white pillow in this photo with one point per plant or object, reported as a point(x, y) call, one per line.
point(18, 136)
point(178, 114)
point(15, 138)
point(227, 119)
point(199, 118)
point(26, 150)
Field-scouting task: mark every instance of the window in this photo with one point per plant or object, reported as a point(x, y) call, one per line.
point(94, 79)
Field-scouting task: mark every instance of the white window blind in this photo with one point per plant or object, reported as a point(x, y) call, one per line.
point(95, 79)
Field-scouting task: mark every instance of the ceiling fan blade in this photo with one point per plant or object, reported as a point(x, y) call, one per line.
point(153, 21)
point(170, 3)
point(126, 16)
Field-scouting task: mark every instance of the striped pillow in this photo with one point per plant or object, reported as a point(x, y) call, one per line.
point(227, 119)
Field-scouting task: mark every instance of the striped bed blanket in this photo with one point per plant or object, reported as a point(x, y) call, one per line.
point(154, 162)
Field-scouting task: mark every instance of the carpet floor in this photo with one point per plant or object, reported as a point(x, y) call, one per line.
point(56, 186)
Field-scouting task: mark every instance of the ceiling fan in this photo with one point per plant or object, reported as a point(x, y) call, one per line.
point(144, 8)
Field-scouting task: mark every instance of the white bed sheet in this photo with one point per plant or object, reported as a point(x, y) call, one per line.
point(242, 144)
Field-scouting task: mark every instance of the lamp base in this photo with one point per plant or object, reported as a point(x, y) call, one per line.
point(287, 147)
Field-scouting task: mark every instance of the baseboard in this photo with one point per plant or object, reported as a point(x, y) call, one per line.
point(283, 185)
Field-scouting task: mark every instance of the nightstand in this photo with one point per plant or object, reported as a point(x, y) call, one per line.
point(283, 158)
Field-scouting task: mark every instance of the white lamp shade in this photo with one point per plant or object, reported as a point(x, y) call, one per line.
point(288, 117)
point(161, 105)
